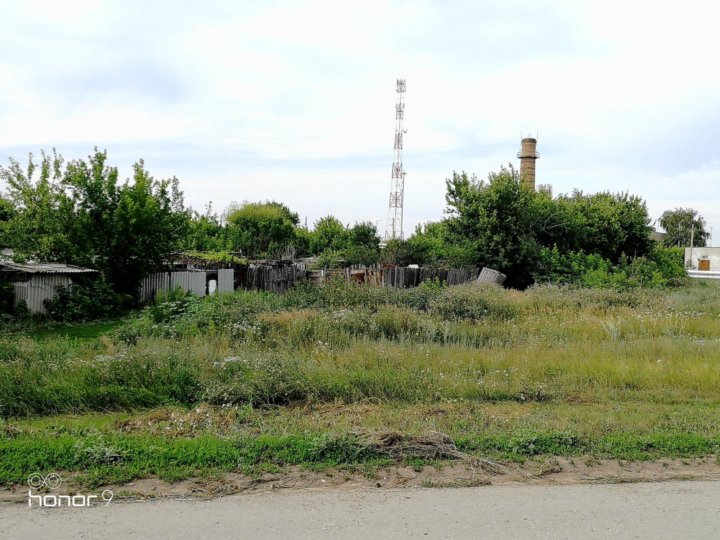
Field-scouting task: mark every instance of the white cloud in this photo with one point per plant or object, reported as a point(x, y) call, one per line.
point(295, 101)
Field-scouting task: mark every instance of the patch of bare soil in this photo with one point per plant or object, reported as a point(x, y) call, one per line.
point(546, 471)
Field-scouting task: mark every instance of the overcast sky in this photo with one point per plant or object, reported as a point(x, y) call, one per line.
point(294, 101)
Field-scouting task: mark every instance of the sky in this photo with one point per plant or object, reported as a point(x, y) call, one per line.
point(295, 101)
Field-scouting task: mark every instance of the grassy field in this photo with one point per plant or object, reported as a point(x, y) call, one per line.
point(254, 381)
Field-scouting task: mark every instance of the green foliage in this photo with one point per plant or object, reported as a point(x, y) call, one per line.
point(328, 233)
point(40, 224)
point(531, 236)
point(170, 305)
point(662, 267)
point(333, 243)
point(87, 301)
point(205, 233)
point(263, 228)
point(495, 221)
point(474, 302)
point(430, 244)
point(557, 267)
point(220, 257)
point(396, 252)
point(330, 258)
point(363, 244)
point(303, 242)
point(604, 224)
point(81, 214)
point(670, 262)
point(148, 224)
point(7, 295)
point(678, 225)
point(7, 213)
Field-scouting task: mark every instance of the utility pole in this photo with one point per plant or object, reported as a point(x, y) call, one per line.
point(692, 243)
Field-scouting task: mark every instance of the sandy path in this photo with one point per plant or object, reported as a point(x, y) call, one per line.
point(647, 510)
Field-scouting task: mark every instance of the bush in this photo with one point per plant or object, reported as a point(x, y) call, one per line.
point(475, 302)
point(661, 268)
point(170, 305)
point(7, 296)
point(87, 301)
point(330, 258)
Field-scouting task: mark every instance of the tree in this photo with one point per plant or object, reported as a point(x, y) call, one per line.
point(328, 233)
point(205, 233)
point(149, 224)
point(263, 228)
point(502, 224)
point(396, 252)
point(363, 244)
point(80, 214)
point(494, 219)
point(359, 244)
point(93, 188)
point(7, 213)
point(608, 224)
point(427, 243)
point(678, 225)
point(43, 213)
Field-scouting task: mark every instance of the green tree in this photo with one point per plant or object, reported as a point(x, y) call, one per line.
point(43, 213)
point(362, 244)
point(149, 224)
point(263, 228)
point(396, 252)
point(303, 242)
point(429, 244)
point(494, 220)
point(80, 214)
point(7, 213)
point(608, 224)
point(205, 232)
point(93, 188)
point(678, 225)
point(328, 233)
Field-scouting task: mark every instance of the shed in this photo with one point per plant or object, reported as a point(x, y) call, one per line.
point(36, 282)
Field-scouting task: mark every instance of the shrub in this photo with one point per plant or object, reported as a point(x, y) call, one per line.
point(662, 267)
point(474, 301)
point(6, 296)
point(170, 305)
point(87, 301)
point(330, 258)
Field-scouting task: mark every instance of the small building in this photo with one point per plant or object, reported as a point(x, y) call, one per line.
point(703, 262)
point(657, 236)
point(34, 283)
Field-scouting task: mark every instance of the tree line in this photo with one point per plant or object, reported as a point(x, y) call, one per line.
point(80, 212)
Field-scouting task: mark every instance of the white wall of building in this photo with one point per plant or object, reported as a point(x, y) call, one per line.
point(712, 254)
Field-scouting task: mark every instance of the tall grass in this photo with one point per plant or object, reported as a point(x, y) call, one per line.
point(352, 343)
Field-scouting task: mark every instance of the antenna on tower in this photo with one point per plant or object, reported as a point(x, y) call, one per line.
point(394, 230)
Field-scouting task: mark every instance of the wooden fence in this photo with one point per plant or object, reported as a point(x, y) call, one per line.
point(401, 277)
point(272, 278)
point(279, 278)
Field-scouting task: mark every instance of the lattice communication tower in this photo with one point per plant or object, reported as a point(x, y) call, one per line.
point(394, 230)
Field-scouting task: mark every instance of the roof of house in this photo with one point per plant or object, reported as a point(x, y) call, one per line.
point(44, 268)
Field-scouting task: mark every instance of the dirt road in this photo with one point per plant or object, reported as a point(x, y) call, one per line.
point(647, 510)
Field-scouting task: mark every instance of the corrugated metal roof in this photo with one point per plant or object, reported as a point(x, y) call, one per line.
point(44, 268)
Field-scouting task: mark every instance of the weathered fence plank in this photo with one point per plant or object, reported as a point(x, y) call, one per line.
point(279, 278)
